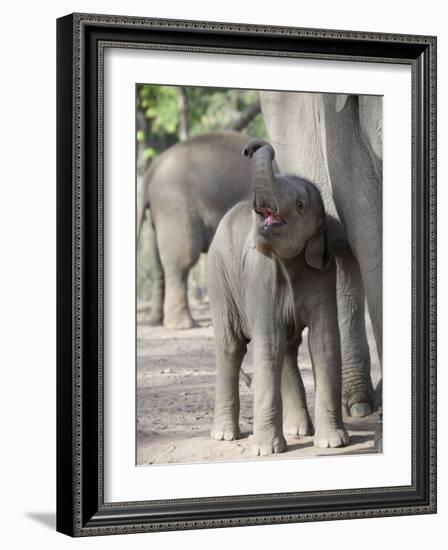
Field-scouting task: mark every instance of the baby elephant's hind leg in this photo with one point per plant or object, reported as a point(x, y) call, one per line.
point(296, 419)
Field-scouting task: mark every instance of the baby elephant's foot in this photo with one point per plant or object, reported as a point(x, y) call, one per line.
point(330, 437)
point(299, 424)
point(264, 446)
point(226, 430)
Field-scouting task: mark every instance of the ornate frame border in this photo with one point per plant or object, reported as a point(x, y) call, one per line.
point(82, 38)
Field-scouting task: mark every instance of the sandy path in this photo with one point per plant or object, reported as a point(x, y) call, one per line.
point(175, 395)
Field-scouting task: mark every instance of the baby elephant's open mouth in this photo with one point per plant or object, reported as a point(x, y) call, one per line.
point(270, 218)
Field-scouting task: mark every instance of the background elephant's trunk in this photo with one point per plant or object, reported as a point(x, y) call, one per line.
point(263, 178)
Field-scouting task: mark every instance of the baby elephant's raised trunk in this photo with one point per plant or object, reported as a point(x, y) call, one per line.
point(263, 178)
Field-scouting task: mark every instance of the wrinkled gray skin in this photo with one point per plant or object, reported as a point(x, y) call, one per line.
point(188, 189)
point(336, 142)
point(269, 276)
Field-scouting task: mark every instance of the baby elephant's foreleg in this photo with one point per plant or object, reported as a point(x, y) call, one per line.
point(324, 344)
point(268, 433)
point(227, 400)
point(296, 419)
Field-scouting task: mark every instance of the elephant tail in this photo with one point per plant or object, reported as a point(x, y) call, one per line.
point(141, 211)
point(143, 204)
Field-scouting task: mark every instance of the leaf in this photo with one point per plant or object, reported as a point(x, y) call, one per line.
point(151, 112)
point(149, 153)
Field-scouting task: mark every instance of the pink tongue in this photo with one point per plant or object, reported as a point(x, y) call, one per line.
point(272, 218)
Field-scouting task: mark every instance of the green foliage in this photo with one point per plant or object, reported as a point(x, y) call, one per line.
point(159, 112)
point(208, 110)
point(257, 128)
point(149, 153)
point(216, 109)
point(160, 109)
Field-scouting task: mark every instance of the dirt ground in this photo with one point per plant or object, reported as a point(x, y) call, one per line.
point(175, 396)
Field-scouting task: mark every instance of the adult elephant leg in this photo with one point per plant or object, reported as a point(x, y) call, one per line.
point(158, 281)
point(370, 261)
point(296, 419)
point(178, 253)
point(356, 180)
point(357, 390)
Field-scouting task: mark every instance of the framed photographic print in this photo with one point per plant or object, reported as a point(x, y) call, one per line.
point(246, 274)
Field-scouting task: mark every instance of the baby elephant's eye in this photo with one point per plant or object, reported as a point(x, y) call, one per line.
point(300, 205)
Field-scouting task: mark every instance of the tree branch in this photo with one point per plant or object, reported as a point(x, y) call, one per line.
point(246, 117)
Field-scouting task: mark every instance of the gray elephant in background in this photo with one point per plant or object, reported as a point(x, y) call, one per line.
point(270, 274)
point(188, 189)
point(336, 142)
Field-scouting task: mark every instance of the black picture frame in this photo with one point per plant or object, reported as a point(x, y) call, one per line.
point(81, 510)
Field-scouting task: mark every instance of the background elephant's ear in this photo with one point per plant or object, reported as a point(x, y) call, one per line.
point(317, 254)
point(341, 100)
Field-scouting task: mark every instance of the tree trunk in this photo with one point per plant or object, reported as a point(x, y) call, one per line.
point(182, 101)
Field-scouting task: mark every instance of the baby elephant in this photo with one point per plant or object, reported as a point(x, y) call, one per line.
point(270, 275)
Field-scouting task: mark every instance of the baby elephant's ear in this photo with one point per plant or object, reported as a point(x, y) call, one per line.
point(317, 254)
